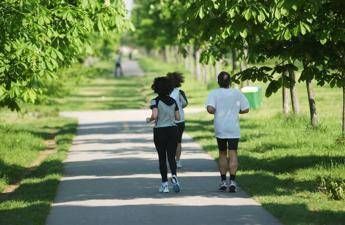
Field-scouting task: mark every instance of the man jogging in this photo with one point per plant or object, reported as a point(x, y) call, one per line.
point(226, 104)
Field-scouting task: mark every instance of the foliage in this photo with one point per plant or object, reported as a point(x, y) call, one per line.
point(334, 188)
point(38, 37)
point(307, 31)
point(156, 22)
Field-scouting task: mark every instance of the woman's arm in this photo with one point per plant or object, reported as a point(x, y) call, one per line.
point(154, 115)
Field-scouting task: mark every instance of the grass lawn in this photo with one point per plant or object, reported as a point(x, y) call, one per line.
point(282, 159)
point(21, 141)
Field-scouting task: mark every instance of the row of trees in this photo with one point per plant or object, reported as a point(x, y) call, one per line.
point(38, 37)
point(309, 35)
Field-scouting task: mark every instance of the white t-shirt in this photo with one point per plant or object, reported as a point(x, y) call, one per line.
point(176, 95)
point(228, 102)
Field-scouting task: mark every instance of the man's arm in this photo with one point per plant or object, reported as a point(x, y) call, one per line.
point(183, 98)
point(177, 115)
point(210, 109)
point(244, 104)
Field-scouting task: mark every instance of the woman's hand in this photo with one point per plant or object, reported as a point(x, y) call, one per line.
point(149, 120)
point(154, 116)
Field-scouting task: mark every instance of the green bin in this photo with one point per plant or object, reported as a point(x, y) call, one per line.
point(254, 96)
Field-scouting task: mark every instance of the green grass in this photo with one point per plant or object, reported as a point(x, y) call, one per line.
point(282, 159)
point(21, 140)
point(94, 88)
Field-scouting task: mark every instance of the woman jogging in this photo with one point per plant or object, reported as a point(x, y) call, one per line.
point(164, 113)
point(179, 96)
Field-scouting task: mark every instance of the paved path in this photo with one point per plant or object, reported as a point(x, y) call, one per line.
point(131, 68)
point(112, 178)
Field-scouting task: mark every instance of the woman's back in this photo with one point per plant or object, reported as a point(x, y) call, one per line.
point(166, 111)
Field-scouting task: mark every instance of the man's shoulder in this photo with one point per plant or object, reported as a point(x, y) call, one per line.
point(236, 91)
point(214, 91)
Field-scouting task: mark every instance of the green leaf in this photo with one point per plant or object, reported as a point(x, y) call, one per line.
point(261, 17)
point(201, 12)
point(323, 41)
point(59, 55)
point(284, 12)
point(304, 28)
point(287, 35)
point(247, 14)
point(232, 13)
point(8, 48)
point(244, 33)
point(277, 14)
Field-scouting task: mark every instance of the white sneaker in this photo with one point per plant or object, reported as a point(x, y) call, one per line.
point(178, 164)
point(232, 186)
point(176, 184)
point(223, 186)
point(164, 188)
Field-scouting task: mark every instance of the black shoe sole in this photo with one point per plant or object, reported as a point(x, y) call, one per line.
point(222, 189)
point(176, 188)
point(232, 189)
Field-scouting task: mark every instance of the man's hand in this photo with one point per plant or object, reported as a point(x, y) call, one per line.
point(210, 109)
point(244, 111)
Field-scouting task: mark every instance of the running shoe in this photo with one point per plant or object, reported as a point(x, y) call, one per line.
point(176, 184)
point(178, 164)
point(164, 188)
point(223, 186)
point(232, 186)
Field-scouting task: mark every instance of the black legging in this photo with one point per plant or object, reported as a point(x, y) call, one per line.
point(165, 139)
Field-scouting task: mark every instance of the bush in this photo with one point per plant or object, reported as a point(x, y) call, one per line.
point(333, 187)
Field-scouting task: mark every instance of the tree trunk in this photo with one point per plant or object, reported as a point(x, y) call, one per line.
point(234, 61)
point(293, 93)
point(286, 108)
point(191, 60)
point(243, 66)
point(343, 120)
point(312, 106)
point(165, 56)
point(204, 74)
point(186, 62)
point(176, 55)
point(212, 71)
point(217, 68)
point(197, 65)
point(285, 97)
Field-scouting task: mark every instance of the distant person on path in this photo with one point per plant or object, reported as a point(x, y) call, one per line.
point(165, 112)
point(226, 104)
point(118, 67)
point(179, 96)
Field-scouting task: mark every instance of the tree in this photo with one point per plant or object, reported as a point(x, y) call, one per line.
point(38, 37)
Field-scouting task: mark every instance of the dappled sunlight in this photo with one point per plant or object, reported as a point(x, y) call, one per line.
point(168, 200)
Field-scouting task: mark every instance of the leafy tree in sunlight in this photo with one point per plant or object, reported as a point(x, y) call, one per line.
point(38, 37)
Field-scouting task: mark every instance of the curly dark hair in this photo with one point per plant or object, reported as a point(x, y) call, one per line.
point(176, 78)
point(162, 86)
point(224, 79)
